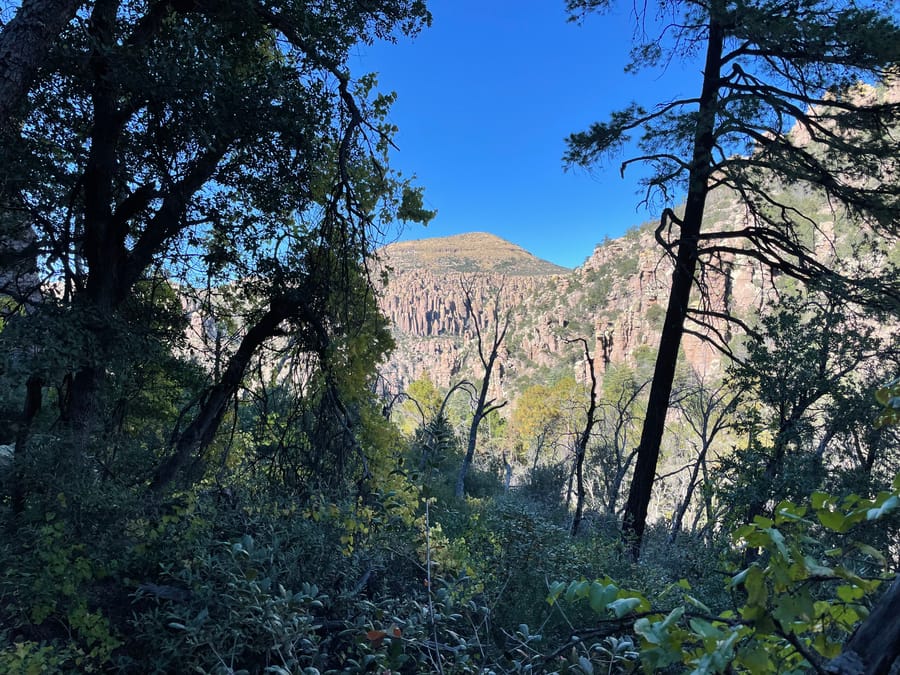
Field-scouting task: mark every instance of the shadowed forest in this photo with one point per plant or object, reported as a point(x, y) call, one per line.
point(206, 465)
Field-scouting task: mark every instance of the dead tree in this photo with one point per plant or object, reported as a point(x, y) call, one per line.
point(583, 439)
point(707, 411)
point(488, 351)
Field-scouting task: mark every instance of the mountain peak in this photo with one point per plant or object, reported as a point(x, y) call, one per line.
point(472, 252)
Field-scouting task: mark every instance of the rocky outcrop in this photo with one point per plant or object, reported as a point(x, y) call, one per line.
point(616, 300)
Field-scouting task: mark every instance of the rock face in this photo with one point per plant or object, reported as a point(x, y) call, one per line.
point(615, 301)
point(426, 304)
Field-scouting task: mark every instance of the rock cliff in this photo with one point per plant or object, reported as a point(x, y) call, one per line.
point(615, 300)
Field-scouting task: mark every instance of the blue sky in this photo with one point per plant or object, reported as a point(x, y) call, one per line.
point(486, 97)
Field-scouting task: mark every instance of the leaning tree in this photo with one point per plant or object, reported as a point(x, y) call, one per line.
point(786, 118)
point(216, 145)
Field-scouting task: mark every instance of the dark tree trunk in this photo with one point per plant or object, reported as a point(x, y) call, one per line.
point(197, 436)
point(635, 519)
point(25, 42)
point(579, 489)
point(582, 443)
point(33, 400)
point(472, 442)
point(104, 236)
point(875, 646)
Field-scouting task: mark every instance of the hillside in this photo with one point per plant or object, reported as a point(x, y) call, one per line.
point(614, 301)
point(475, 252)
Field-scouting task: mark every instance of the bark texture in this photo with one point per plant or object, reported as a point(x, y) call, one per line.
point(682, 282)
point(875, 646)
point(24, 44)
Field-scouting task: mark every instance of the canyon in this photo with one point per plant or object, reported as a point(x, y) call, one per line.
point(615, 301)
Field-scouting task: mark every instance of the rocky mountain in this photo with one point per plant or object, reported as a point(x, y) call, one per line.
point(615, 301)
point(476, 252)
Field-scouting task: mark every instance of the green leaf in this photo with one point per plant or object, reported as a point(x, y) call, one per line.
point(871, 552)
point(832, 520)
point(819, 500)
point(577, 589)
point(556, 589)
point(778, 540)
point(705, 629)
point(815, 569)
point(691, 600)
point(889, 504)
point(794, 608)
point(585, 665)
point(757, 594)
point(755, 657)
point(849, 593)
point(787, 510)
point(623, 606)
point(739, 578)
point(601, 595)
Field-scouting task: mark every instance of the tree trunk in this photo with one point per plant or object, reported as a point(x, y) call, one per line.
point(33, 399)
point(875, 646)
point(25, 42)
point(460, 489)
point(582, 443)
point(579, 489)
point(196, 438)
point(635, 519)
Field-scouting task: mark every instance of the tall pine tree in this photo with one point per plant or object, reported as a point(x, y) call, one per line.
point(779, 104)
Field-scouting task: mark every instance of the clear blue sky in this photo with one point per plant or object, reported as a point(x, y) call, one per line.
point(486, 97)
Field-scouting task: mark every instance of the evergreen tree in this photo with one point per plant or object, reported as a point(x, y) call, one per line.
point(780, 113)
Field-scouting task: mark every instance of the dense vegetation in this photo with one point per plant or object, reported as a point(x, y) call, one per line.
point(199, 472)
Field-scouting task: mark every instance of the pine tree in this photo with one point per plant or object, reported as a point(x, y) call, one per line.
point(780, 110)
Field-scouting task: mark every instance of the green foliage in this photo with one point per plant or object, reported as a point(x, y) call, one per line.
point(427, 400)
point(888, 398)
point(312, 535)
point(49, 581)
point(806, 377)
point(795, 604)
point(545, 484)
point(238, 614)
point(31, 658)
point(542, 416)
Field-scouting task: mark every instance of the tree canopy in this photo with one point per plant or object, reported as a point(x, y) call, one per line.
point(217, 145)
point(785, 108)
